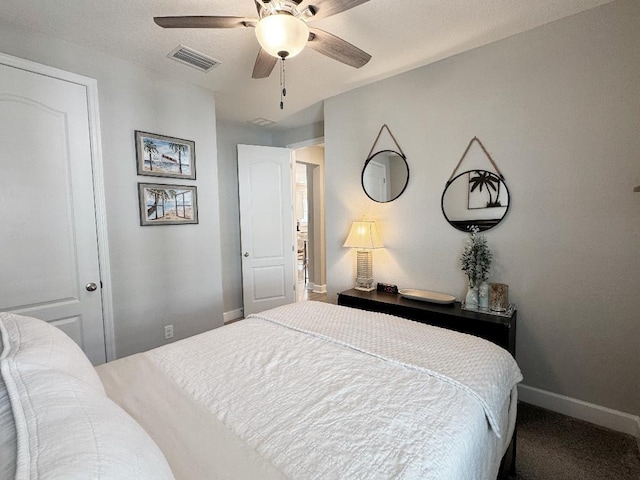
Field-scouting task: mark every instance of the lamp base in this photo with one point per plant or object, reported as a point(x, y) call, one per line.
point(365, 289)
point(364, 278)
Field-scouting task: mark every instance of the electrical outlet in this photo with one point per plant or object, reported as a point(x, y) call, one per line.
point(168, 332)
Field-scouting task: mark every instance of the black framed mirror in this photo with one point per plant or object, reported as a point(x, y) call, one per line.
point(385, 176)
point(475, 197)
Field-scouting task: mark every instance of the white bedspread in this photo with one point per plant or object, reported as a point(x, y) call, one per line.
point(485, 370)
point(315, 408)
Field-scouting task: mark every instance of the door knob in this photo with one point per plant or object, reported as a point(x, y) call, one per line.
point(246, 254)
point(91, 287)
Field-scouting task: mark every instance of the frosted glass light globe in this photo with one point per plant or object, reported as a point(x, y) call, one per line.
point(282, 35)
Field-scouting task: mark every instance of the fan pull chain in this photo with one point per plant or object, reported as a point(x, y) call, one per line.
point(283, 86)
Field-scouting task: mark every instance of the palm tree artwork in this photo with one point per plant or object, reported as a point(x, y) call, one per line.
point(163, 156)
point(178, 148)
point(160, 196)
point(150, 148)
point(162, 204)
point(481, 179)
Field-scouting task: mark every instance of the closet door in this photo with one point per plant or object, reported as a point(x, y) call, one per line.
point(49, 265)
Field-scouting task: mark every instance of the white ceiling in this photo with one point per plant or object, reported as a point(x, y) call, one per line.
point(399, 34)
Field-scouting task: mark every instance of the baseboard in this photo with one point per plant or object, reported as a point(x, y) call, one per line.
point(318, 288)
point(232, 315)
point(589, 412)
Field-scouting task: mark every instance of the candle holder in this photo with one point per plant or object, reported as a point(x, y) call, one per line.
point(498, 297)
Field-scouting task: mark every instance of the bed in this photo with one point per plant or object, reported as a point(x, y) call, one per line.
point(305, 391)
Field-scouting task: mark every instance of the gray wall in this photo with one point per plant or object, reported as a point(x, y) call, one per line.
point(229, 136)
point(558, 108)
point(160, 275)
point(297, 135)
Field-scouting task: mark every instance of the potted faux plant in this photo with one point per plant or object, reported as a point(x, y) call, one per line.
point(476, 261)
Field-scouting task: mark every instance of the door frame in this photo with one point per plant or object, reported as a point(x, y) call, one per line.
point(387, 187)
point(91, 87)
point(322, 287)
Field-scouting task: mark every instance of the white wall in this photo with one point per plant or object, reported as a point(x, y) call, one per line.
point(558, 108)
point(229, 136)
point(160, 275)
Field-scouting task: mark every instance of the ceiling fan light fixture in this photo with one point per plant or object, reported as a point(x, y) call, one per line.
point(282, 35)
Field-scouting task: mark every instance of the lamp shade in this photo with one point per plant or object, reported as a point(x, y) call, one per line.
point(364, 234)
point(282, 35)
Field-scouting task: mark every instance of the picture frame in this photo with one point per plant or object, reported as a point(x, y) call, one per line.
point(163, 156)
point(162, 204)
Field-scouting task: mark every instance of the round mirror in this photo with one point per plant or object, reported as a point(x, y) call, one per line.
point(476, 197)
point(385, 176)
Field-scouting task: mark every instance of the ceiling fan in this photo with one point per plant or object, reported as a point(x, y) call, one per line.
point(282, 31)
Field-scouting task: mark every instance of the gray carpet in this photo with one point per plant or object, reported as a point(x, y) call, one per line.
point(555, 447)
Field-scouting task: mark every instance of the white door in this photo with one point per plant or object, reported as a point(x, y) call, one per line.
point(48, 240)
point(266, 227)
point(375, 181)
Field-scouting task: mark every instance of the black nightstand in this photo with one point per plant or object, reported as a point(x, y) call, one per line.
point(496, 329)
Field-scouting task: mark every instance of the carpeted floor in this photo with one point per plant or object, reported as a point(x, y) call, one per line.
point(552, 446)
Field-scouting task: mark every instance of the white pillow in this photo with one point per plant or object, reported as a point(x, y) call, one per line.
point(7, 434)
point(35, 342)
point(69, 431)
point(67, 428)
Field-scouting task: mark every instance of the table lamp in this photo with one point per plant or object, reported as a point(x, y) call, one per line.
point(364, 236)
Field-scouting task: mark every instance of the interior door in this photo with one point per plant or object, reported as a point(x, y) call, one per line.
point(49, 251)
point(375, 181)
point(266, 226)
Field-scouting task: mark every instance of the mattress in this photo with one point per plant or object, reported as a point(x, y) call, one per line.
point(318, 391)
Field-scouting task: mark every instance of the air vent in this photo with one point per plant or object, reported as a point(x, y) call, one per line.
point(261, 122)
point(192, 58)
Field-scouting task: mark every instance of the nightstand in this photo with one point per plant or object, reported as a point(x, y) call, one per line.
point(497, 329)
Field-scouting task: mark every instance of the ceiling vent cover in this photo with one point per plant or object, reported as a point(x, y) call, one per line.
point(192, 58)
point(261, 122)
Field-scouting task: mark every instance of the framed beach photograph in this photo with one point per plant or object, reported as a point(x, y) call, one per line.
point(167, 204)
point(162, 156)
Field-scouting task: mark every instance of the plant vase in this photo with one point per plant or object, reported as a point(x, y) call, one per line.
point(476, 261)
point(471, 299)
point(483, 296)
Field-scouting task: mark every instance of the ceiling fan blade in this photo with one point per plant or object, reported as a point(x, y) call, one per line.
point(336, 48)
point(326, 8)
point(204, 22)
point(264, 65)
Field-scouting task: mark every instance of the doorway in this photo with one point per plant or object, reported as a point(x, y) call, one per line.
point(310, 221)
point(301, 209)
point(266, 227)
point(283, 252)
